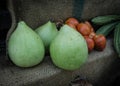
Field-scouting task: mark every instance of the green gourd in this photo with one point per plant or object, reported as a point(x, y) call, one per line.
point(69, 49)
point(47, 32)
point(106, 29)
point(100, 20)
point(25, 47)
point(117, 39)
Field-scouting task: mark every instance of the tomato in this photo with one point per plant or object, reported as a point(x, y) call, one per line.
point(72, 21)
point(90, 43)
point(100, 42)
point(89, 25)
point(83, 29)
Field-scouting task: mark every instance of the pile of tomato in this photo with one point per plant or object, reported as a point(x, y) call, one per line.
point(93, 40)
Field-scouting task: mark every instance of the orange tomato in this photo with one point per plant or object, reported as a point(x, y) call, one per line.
point(90, 43)
point(83, 29)
point(100, 42)
point(72, 21)
point(89, 25)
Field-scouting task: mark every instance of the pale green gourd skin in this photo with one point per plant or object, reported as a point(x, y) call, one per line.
point(69, 49)
point(47, 32)
point(25, 47)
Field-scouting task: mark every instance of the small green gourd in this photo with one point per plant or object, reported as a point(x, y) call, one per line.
point(47, 32)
